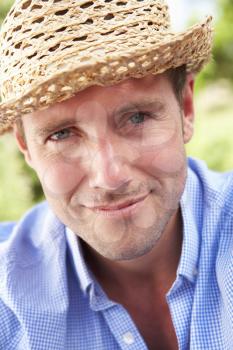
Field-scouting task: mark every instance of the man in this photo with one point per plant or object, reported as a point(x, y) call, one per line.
point(133, 248)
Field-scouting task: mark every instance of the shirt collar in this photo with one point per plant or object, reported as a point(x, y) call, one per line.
point(188, 265)
point(89, 285)
point(83, 274)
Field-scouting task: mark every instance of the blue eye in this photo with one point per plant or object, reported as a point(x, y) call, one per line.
point(60, 135)
point(137, 118)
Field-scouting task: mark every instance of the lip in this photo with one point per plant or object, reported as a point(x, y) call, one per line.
point(121, 209)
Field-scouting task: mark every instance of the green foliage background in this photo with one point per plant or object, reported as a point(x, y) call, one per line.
point(213, 141)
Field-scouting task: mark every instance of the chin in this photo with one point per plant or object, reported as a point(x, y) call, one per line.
point(132, 246)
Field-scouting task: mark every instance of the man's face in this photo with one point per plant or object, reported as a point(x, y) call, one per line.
point(111, 162)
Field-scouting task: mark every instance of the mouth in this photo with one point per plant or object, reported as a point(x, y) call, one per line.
point(121, 209)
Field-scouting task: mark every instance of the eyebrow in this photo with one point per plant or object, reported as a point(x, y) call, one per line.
point(52, 127)
point(146, 103)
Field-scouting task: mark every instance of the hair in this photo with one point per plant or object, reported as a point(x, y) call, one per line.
point(177, 77)
point(20, 128)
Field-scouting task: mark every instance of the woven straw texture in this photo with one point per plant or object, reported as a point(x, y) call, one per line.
point(51, 49)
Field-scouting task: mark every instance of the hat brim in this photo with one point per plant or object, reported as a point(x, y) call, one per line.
point(191, 48)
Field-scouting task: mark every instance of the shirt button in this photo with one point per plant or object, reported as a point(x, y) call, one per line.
point(128, 338)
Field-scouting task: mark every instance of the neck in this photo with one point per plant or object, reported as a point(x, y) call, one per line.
point(156, 268)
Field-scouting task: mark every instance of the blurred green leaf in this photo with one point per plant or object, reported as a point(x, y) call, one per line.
point(4, 8)
point(221, 65)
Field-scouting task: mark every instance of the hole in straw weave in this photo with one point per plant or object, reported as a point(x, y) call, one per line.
point(89, 21)
point(87, 4)
point(112, 31)
point(121, 3)
point(18, 46)
point(49, 37)
point(98, 7)
point(37, 36)
point(108, 16)
point(16, 29)
point(38, 20)
point(33, 55)
point(123, 32)
point(66, 47)
point(36, 7)
point(17, 14)
point(61, 29)
point(54, 48)
point(26, 5)
point(81, 38)
point(61, 13)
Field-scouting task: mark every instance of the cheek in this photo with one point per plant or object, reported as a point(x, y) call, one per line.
point(60, 178)
point(168, 160)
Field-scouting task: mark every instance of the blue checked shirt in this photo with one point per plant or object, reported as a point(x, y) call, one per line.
point(49, 300)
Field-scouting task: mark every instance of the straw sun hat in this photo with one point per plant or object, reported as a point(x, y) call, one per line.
point(51, 49)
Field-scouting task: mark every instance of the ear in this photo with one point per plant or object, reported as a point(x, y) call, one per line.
point(188, 109)
point(22, 145)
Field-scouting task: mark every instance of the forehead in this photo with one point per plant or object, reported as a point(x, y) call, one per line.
point(105, 100)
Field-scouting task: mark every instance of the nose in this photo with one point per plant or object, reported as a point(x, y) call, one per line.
point(109, 168)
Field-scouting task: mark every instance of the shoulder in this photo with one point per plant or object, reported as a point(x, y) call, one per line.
point(32, 253)
point(12, 237)
point(25, 242)
point(217, 229)
point(213, 189)
point(30, 218)
point(209, 197)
